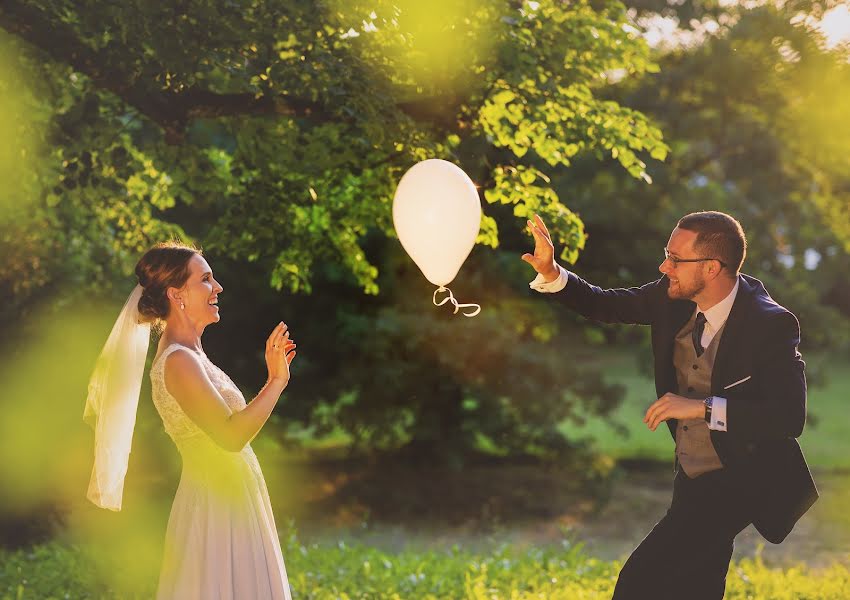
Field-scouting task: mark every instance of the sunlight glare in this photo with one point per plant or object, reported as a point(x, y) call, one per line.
point(835, 26)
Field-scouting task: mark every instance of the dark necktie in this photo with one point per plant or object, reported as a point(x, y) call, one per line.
point(696, 334)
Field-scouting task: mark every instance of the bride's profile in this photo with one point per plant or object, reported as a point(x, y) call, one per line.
point(221, 541)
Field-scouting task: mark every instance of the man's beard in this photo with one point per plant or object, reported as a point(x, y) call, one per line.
point(682, 292)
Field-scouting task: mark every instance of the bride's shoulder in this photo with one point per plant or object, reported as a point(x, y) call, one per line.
point(173, 353)
point(181, 366)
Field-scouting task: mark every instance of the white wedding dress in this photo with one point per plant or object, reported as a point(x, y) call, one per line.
point(221, 542)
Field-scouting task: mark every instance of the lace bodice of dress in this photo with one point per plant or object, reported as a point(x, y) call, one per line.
point(177, 424)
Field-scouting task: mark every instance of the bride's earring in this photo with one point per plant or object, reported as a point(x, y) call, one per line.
point(182, 306)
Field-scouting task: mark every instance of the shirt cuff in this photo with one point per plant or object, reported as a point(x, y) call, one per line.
point(539, 284)
point(718, 414)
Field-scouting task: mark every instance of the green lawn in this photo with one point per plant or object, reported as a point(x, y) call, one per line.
point(826, 440)
point(57, 570)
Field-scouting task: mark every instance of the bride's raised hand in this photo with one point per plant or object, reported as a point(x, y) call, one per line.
point(280, 350)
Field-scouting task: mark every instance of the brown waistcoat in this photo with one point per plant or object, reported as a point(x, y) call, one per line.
point(694, 451)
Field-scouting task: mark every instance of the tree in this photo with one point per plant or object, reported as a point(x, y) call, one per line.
point(274, 133)
point(295, 119)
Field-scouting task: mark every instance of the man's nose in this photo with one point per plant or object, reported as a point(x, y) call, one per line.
point(665, 267)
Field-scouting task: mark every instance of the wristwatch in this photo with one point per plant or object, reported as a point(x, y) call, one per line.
point(708, 402)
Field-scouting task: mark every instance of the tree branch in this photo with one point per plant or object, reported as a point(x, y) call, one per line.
point(173, 110)
point(169, 109)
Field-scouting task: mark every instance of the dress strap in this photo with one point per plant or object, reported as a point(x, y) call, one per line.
point(168, 350)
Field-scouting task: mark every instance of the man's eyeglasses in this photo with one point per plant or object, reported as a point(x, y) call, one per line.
point(676, 261)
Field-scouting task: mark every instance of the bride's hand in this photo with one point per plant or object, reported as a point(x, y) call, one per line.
point(280, 350)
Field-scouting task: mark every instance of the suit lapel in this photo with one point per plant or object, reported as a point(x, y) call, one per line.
point(680, 313)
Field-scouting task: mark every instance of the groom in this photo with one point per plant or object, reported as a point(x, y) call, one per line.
point(731, 387)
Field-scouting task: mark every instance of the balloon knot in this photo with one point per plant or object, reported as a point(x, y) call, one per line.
point(450, 298)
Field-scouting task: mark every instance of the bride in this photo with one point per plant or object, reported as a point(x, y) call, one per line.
point(221, 540)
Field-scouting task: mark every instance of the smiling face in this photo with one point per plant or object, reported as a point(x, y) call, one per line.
point(199, 295)
point(687, 280)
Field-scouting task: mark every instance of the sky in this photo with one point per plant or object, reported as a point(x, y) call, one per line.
point(665, 32)
point(835, 25)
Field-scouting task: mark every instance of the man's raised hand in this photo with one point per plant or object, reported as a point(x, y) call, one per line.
point(543, 259)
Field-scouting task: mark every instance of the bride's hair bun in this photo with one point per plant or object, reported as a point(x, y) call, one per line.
point(163, 266)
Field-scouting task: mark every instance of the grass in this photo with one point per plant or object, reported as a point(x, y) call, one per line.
point(63, 569)
point(623, 435)
point(826, 440)
point(56, 570)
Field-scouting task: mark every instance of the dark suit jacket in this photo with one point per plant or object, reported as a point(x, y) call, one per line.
point(765, 414)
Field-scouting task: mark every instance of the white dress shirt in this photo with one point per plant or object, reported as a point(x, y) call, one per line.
point(715, 318)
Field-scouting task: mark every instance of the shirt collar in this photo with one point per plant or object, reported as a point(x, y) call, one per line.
point(716, 315)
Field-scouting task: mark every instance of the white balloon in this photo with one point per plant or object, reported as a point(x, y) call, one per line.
point(437, 215)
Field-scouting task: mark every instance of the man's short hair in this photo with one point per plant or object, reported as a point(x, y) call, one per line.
point(719, 236)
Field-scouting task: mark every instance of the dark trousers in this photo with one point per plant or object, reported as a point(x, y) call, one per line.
point(687, 554)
